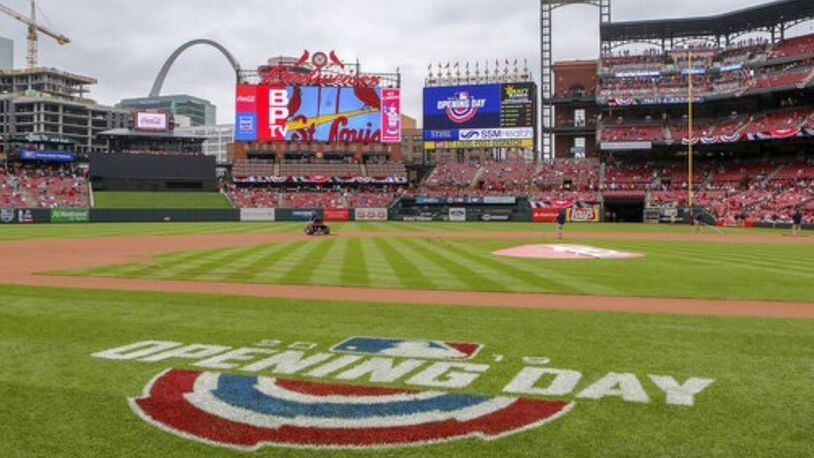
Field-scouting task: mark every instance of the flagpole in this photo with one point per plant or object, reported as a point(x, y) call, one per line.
point(690, 191)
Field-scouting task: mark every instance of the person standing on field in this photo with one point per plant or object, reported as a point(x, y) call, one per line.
point(698, 221)
point(796, 223)
point(561, 224)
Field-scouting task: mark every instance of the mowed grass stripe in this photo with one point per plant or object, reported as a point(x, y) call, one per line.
point(482, 266)
point(556, 278)
point(472, 279)
point(166, 264)
point(722, 254)
point(407, 274)
point(530, 278)
point(329, 271)
point(302, 272)
point(438, 274)
point(380, 272)
point(265, 258)
point(234, 270)
point(354, 271)
point(205, 264)
point(746, 264)
point(273, 267)
point(757, 260)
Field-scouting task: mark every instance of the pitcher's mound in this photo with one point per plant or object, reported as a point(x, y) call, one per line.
point(564, 252)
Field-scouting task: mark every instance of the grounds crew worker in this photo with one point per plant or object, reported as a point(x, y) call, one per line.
point(796, 223)
point(698, 221)
point(561, 224)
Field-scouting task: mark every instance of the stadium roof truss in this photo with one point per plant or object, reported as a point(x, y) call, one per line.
point(774, 18)
point(547, 8)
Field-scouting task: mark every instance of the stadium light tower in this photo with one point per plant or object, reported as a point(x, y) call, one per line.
point(547, 8)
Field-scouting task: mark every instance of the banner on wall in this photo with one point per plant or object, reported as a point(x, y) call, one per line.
point(70, 215)
point(583, 214)
point(457, 215)
point(371, 214)
point(336, 214)
point(257, 215)
point(391, 116)
point(544, 215)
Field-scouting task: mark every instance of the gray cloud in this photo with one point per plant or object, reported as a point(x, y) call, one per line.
point(124, 43)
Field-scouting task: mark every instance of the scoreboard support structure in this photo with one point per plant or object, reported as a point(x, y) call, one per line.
point(547, 8)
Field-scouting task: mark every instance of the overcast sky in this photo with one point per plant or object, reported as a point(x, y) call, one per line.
point(123, 43)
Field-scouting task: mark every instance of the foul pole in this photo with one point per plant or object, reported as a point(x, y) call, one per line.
point(690, 191)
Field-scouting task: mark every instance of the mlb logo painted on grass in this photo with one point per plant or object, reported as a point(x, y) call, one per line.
point(406, 348)
point(248, 412)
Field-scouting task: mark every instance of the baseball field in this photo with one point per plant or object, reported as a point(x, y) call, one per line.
point(405, 340)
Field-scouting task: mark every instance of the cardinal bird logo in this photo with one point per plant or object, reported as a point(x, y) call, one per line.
point(249, 413)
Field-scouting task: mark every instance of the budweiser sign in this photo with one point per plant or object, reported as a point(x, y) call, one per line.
point(325, 69)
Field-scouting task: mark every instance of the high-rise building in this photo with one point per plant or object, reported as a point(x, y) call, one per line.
point(217, 138)
point(6, 54)
point(44, 108)
point(201, 112)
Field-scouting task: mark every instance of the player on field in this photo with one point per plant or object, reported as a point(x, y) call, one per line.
point(796, 223)
point(698, 221)
point(561, 224)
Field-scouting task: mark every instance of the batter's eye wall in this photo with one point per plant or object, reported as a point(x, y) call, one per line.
point(150, 172)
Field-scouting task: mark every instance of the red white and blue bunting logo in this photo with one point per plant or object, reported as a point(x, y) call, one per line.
point(463, 108)
point(248, 413)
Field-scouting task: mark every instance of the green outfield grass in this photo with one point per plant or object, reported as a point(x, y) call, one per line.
point(162, 200)
point(24, 231)
point(668, 269)
point(57, 400)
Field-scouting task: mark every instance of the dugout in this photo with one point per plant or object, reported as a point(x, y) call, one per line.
point(627, 208)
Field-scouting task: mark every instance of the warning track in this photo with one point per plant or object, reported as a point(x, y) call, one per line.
point(28, 263)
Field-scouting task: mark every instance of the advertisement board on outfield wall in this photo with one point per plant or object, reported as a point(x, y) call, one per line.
point(70, 215)
point(257, 215)
point(584, 214)
point(370, 214)
point(544, 215)
point(24, 215)
point(336, 214)
point(457, 215)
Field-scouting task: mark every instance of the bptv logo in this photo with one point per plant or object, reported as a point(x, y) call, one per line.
point(278, 113)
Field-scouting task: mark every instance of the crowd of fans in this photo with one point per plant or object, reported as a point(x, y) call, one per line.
point(314, 196)
point(774, 124)
point(264, 171)
point(42, 187)
point(736, 192)
point(724, 71)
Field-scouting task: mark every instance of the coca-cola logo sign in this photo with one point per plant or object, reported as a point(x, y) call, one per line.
point(152, 121)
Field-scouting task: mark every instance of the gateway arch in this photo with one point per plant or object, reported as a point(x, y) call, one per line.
point(165, 70)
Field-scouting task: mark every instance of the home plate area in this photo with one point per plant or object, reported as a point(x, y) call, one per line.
point(564, 252)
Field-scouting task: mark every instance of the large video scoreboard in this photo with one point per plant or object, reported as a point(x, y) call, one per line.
point(367, 115)
point(480, 116)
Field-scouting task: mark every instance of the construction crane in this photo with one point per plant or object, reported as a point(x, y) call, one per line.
point(33, 29)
